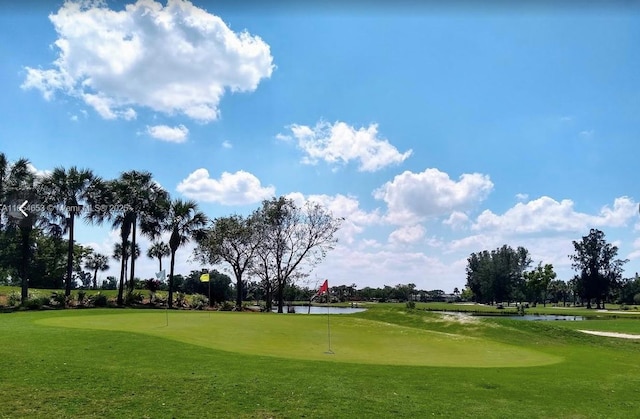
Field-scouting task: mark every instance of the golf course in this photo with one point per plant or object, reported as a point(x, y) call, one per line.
point(388, 361)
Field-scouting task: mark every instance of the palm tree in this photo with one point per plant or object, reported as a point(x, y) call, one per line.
point(17, 185)
point(70, 192)
point(185, 222)
point(12, 176)
point(158, 250)
point(122, 253)
point(142, 203)
point(96, 262)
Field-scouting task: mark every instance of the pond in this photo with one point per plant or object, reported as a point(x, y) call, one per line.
point(323, 310)
point(526, 317)
point(547, 317)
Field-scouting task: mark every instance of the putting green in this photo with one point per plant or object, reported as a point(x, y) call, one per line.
point(306, 337)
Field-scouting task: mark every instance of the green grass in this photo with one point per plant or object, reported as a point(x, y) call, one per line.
point(353, 339)
point(612, 310)
point(142, 368)
point(631, 326)
point(6, 290)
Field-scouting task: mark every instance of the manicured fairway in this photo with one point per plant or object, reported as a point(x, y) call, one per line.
point(145, 369)
point(630, 326)
point(306, 337)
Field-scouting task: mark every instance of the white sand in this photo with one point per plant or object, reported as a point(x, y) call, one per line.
point(617, 311)
point(611, 334)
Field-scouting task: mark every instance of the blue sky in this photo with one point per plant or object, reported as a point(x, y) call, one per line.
point(434, 133)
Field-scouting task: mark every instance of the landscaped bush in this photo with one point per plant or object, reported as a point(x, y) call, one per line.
point(34, 303)
point(82, 298)
point(226, 306)
point(198, 301)
point(159, 298)
point(133, 298)
point(35, 300)
point(180, 300)
point(99, 300)
point(13, 299)
point(59, 299)
point(411, 305)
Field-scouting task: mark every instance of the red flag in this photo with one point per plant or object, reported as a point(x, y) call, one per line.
point(324, 287)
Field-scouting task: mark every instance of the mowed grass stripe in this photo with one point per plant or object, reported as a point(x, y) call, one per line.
point(305, 337)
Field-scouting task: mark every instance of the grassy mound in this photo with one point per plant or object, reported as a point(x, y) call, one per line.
point(353, 339)
point(71, 372)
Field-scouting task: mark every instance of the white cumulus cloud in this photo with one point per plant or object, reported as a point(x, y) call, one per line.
point(546, 214)
point(177, 134)
point(457, 220)
point(415, 196)
point(39, 173)
point(342, 143)
point(239, 188)
point(348, 207)
point(172, 59)
point(407, 234)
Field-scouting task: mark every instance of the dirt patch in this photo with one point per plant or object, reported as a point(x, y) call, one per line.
point(463, 318)
point(611, 334)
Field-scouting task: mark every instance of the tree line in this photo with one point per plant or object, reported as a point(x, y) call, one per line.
point(504, 275)
point(280, 242)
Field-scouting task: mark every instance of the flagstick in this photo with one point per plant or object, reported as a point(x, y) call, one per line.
point(329, 330)
point(209, 297)
point(330, 352)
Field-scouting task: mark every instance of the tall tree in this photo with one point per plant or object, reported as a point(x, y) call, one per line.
point(12, 178)
point(496, 276)
point(185, 222)
point(96, 262)
point(69, 194)
point(293, 239)
point(18, 184)
point(262, 268)
point(142, 204)
point(559, 291)
point(537, 282)
point(598, 269)
point(158, 250)
point(234, 240)
point(122, 253)
point(122, 221)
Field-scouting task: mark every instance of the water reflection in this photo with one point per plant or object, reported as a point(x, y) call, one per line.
point(528, 317)
point(321, 310)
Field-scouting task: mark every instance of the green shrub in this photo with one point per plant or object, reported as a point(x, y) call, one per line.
point(59, 299)
point(159, 297)
point(180, 300)
point(227, 306)
point(133, 298)
point(198, 301)
point(99, 300)
point(34, 303)
point(82, 297)
point(14, 298)
point(410, 305)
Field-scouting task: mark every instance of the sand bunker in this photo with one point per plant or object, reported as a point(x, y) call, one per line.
point(611, 334)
